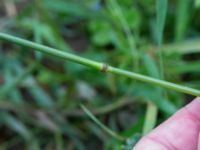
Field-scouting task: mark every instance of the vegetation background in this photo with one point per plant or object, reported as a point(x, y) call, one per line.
point(40, 95)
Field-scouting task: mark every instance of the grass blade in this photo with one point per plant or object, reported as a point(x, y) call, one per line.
point(151, 118)
point(106, 129)
point(161, 11)
point(6, 89)
point(197, 3)
point(182, 18)
point(16, 125)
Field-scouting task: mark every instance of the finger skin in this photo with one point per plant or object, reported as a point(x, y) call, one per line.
point(180, 132)
point(199, 142)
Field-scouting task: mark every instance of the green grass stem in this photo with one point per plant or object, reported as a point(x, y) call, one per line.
point(97, 65)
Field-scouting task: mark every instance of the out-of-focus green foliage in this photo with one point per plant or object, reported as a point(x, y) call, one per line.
point(40, 95)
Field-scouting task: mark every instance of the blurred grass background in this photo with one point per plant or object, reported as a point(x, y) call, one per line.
point(40, 95)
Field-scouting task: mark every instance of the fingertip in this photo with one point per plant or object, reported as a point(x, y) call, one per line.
point(194, 107)
point(149, 144)
point(199, 142)
point(185, 124)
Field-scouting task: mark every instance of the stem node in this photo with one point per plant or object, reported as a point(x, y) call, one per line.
point(104, 67)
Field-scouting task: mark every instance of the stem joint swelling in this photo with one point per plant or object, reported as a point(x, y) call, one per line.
point(99, 66)
point(104, 68)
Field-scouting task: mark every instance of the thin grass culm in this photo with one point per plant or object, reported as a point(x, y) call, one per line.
point(97, 65)
point(102, 126)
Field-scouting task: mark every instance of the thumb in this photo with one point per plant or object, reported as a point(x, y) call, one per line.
point(179, 132)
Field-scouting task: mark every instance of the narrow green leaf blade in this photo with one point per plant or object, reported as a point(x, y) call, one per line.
point(161, 11)
point(16, 125)
point(182, 18)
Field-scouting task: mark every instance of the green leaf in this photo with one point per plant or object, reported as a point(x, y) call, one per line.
point(41, 97)
point(69, 7)
point(16, 125)
point(151, 117)
point(161, 11)
point(182, 18)
point(197, 3)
